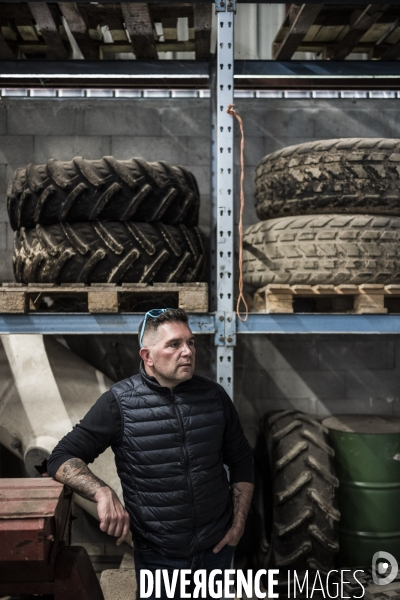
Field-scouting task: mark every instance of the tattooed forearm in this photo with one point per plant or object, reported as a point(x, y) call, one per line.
point(76, 474)
point(242, 493)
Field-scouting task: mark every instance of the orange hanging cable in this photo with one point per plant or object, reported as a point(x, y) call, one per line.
point(231, 111)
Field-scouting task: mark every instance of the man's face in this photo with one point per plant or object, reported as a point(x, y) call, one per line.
point(170, 353)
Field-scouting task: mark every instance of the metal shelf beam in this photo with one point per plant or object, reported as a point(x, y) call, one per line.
point(192, 74)
point(81, 69)
point(205, 324)
point(319, 323)
point(86, 324)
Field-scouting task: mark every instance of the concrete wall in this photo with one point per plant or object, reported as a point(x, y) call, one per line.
point(320, 374)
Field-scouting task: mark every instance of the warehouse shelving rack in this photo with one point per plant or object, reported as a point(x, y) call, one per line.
point(221, 74)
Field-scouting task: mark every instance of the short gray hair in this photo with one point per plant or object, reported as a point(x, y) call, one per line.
point(173, 315)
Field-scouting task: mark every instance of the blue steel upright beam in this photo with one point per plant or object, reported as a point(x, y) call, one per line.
point(223, 165)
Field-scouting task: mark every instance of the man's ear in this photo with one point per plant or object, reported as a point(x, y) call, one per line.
point(145, 355)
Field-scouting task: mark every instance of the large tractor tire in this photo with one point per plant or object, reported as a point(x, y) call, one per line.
point(105, 189)
point(325, 249)
point(355, 175)
point(108, 252)
point(305, 515)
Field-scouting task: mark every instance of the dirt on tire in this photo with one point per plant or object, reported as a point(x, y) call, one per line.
point(108, 252)
point(348, 175)
point(107, 189)
point(305, 514)
point(324, 249)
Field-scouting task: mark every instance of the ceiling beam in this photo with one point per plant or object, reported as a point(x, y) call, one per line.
point(140, 28)
point(392, 52)
point(48, 28)
point(361, 20)
point(11, 11)
point(301, 18)
point(7, 49)
point(202, 29)
point(78, 28)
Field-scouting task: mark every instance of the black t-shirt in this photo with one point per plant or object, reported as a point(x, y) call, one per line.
point(101, 427)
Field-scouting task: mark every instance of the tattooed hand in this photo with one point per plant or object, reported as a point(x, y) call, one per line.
point(242, 493)
point(114, 519)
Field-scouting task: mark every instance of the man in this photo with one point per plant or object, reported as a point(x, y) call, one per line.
point(171, 432)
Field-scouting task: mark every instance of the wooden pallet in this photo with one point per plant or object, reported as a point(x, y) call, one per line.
point(143, 29)
point(336, 31)
point(367, 298)
point(102, 297)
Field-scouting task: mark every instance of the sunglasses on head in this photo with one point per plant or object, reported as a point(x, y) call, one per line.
point(153, 314)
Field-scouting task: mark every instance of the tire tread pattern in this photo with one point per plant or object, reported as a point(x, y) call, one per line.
point(107, 252)
point(305, 509)
point(323, 249)
point(353, 175)
point(106, 189)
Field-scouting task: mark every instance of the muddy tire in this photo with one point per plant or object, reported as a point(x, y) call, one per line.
point(108, 252)
point(305, 514)
point(106, 189)
point(325, 249)
point(355, 175)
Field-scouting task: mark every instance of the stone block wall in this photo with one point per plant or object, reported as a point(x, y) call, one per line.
point(319, 374)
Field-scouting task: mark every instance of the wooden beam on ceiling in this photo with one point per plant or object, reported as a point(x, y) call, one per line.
point(26, 29)
point(140, 28)
point(6, 49)
point(392, 53)
point(49, 30)
point(78, 28)
point(115, 20)
point(11, 10)
point(360, 22)
point(300, 18)
point(202, 30)
point(161, 13)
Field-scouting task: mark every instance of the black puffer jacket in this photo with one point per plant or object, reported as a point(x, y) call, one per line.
point(171, 463)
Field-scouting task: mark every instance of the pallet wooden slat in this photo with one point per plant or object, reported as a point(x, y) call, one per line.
point(368, 298)
point(13, 302)
point(103, 302)
point(202, 27)
point(335, 32)
point(393, 52)
point(79, 30)
point(359, 25)
point(101, 298)
point(26, 30)
point(175, 47)
point(140, 27)
point(130, 25)
point(48, 29)
point(393, 288)
point(7, 48)
point(301, 19)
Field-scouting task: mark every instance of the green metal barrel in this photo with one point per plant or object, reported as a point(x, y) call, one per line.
point(367, 461)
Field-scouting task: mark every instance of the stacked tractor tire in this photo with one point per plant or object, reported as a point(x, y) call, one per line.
point(330, 214)
point(105, 221)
